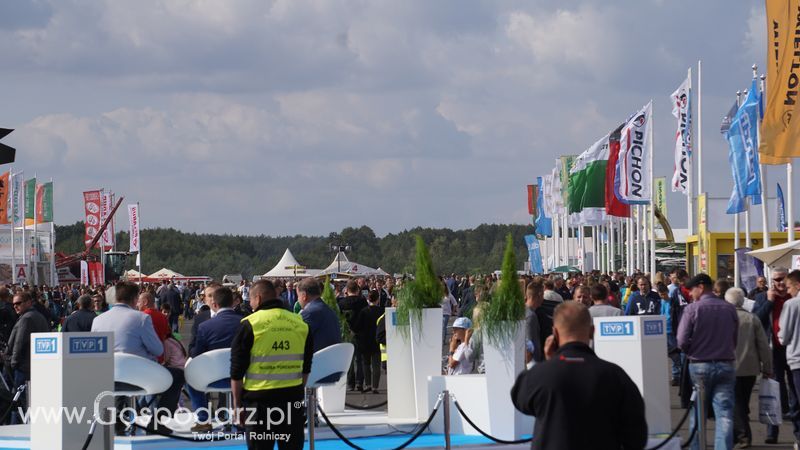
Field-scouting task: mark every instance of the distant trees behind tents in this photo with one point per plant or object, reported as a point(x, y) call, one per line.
point(461, 251)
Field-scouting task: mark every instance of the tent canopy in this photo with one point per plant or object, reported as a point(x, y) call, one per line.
point(288, 267)
point(133, 274)
point(164, 273)
point(777, 255)
point(171, 275)
point(343, 266)
point(381, 272)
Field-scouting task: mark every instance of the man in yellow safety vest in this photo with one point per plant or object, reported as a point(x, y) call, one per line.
point(270, 362)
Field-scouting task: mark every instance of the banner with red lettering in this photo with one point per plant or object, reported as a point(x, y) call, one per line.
point(96, 273)
point(5, 188)
point(133, 217)
point(91, 206)
point(108, 233)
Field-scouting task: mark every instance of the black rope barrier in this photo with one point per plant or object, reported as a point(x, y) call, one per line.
point(485, 434)
point(366, 407)
point(198, 437)
point(14, 402)
point(675, 431)
point(401, 447)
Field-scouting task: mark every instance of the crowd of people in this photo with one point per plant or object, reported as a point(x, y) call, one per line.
point(718, 334)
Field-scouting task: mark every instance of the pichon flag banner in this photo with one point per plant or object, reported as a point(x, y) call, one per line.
point(780, 130)
point(91, 207)
point(614, 207)
point(133, 217)
point(682, 110)
point(633, 183)
point(108, 234)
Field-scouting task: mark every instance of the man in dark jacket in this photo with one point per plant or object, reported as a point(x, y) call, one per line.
point(30, 321)
point(203, 314)
point(579, 400)
point(7, 315)
point(366, 329)
point(172, 297)
point(350, 306)
point(80, 320)
point(323, 323)
point(644, 302)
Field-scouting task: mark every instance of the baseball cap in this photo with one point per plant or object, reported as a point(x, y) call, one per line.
point(699, 279)
point(462, 322)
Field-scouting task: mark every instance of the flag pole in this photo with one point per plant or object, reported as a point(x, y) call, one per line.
point(24, 241)
point(629, 247)
point(638, 235)
point(763, 175)
point(556, 241)
point(789, 206)
point(651, 220)
point(35, 236)
point(689, 184)
point(139, 230)
point(700, 127)
point(612, 251)
point(10, 213)
point(53, 272)
point(735, 253)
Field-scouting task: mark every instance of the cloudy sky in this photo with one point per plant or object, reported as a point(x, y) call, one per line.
point(303, 116)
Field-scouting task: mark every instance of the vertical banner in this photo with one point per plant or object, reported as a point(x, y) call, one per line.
point(5, 188)
point(15, 200)
point(702, 233)
point(782, 225)
point(133, 217)
point(96, 273)
point(534, 253)
point(532, 191)
point(749, 269)
point(780, 130)
point(660, 194)
point(108, 233)
point(84, 273)
point(632, 183)
point(614, 207)
point(563, 175)
point(682, 110)
point(44, 202)
point(91, 206)
point(30, 199)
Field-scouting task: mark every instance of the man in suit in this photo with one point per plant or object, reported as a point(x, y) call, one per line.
point(19, 344)
point(323, 323)
point(215, 333)
point(204, 313)
point(289, 296)
point(133, 330)
point(82, 319)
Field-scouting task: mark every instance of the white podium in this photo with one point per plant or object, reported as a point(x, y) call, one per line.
point(638, 344)
point(68, 372)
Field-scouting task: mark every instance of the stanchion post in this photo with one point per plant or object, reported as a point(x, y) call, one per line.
point(108, 429)
point(701, 406)
point(446, 405)
point(311, 414)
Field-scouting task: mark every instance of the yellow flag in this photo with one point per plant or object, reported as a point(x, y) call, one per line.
point(780, 130)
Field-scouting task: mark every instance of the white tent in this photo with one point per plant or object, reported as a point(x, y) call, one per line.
point(381, 272)
point(778, 255)
point(343, 266)
point(288, 267)
point(133, 275)
point(165, 273)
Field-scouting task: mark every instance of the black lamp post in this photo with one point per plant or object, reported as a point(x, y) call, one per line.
point(339, 248)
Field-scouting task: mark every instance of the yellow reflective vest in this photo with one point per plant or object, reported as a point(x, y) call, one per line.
point(384, 358)
point(276, 359)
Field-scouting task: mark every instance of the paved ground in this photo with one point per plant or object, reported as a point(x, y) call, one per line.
point(785, 438)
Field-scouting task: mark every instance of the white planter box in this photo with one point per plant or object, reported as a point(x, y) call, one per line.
point(503, 364)
point(426, 356)
point(399, 371)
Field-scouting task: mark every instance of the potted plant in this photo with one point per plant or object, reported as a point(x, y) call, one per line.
point(419, 325)
point(502, 326)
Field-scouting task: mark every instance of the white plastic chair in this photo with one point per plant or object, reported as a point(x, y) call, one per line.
point(328, 376)
point(208, 368)
point(143, 376)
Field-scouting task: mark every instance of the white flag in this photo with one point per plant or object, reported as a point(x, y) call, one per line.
point(16, 213)
point(633, 185)
point(105, 210)
point(682, 110)
point(133, 217)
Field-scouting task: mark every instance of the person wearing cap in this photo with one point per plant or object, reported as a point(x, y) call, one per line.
point(460, 361)
point(708, 334)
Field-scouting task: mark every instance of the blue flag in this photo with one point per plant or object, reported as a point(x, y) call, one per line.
point(743, 148)
point(726, 121)
point(544, 225)
point(534, 254)
point(782, 225)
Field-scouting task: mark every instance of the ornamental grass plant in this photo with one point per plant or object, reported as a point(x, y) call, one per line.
point(499, 318)
point(424, 291)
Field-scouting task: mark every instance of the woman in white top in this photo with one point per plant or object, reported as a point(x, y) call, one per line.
point(449, 307)
point(460, 361)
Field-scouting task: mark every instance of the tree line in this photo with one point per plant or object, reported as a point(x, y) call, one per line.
point(477, 250)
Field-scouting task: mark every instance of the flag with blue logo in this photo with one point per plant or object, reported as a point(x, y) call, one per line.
point(544, 225)
point(782, 225)
point(743, 148)
point(735, 203)
point(534, 253)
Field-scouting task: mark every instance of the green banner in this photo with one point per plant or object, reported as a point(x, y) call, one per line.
point(30, 198)
point(45, 202)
